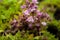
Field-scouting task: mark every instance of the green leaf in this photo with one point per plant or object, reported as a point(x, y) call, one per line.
point(3, 17)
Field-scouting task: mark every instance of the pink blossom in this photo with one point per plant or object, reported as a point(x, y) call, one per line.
point(47, 15)
point(30, 25)
point(24, 6)
point(35, 17)
point(33, 9)
point(26, 12)
point(39, 13)
point(27, 0)
point(30, 19)
point(35, 1)
point(14, 21)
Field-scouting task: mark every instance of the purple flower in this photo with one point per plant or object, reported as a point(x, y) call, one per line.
point(35, 6)
point(24, 6)
point(35, 1)
point(30, 19)
point(46, 15)
point(14, 21)
point(26, 12)
point(27, 0)
point(35, 18)
point(30, 25)
point(32, 5)
point(39, 13)
point(33, 9)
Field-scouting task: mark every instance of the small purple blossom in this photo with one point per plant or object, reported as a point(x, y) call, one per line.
point(47, 15)
point(24, 6)
point(35, 1)
point(14, 21)
point(26, 12)
point(35, 6)
point(30, 25)
point(39, 13)
point(30, 19)
point(27, 1)
point(33, 9)
point(32, 5)
point(35, 18)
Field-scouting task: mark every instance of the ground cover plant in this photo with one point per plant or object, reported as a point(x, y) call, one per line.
point(29, 20)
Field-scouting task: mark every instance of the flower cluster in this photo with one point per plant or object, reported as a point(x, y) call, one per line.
point(32, 18)
point(32, 14)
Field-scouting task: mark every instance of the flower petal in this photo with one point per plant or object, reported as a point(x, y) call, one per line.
point(35, 1)
point(44, 23)
point(26, 12)
point(24, 6)
point(30, 19)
